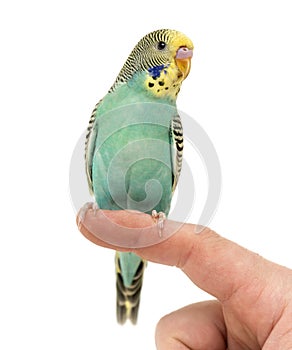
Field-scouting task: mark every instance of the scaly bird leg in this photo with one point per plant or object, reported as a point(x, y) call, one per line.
point(159, 219)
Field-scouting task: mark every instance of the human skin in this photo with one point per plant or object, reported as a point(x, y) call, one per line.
point(253, 306)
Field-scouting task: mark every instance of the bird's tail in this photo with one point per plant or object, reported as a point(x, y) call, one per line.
point(128, 285)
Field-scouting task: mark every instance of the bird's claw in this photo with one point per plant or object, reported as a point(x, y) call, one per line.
point(159, 219)
point(82, 212)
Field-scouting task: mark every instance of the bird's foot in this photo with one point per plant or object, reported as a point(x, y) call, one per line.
point(159, 219)
point(82, 212)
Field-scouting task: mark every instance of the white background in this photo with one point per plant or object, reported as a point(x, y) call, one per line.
point(57, 59)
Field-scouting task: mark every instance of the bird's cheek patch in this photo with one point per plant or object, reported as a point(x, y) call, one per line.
point(164, 81)
point(155, 72)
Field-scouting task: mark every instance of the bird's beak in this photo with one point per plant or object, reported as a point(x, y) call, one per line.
point(183, 60)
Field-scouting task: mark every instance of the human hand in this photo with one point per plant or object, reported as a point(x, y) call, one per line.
point(253, 309)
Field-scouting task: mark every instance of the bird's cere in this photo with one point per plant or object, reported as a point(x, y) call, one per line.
point(184, 53)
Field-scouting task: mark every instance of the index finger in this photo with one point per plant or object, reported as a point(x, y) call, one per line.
point(212, 262)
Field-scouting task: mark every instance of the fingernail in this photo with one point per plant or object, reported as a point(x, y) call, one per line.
point(82, 213)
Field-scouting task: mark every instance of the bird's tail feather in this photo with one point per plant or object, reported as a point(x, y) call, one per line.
point(128, 297)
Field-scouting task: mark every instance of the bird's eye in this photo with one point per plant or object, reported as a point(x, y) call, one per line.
point(161, 45)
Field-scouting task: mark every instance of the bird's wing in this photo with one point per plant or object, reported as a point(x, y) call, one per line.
point(177, 143)
point(90, 145)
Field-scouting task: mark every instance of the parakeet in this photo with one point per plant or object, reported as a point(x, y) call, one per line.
point(134, 145)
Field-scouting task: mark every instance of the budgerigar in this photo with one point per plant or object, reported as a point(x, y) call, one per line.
point(134, 145)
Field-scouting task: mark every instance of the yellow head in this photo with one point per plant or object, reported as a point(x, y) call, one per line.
point(164, 56)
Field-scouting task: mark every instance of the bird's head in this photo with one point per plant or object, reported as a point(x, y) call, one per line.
point(159, 63)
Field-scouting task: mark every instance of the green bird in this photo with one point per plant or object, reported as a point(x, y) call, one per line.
point(134, 145)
